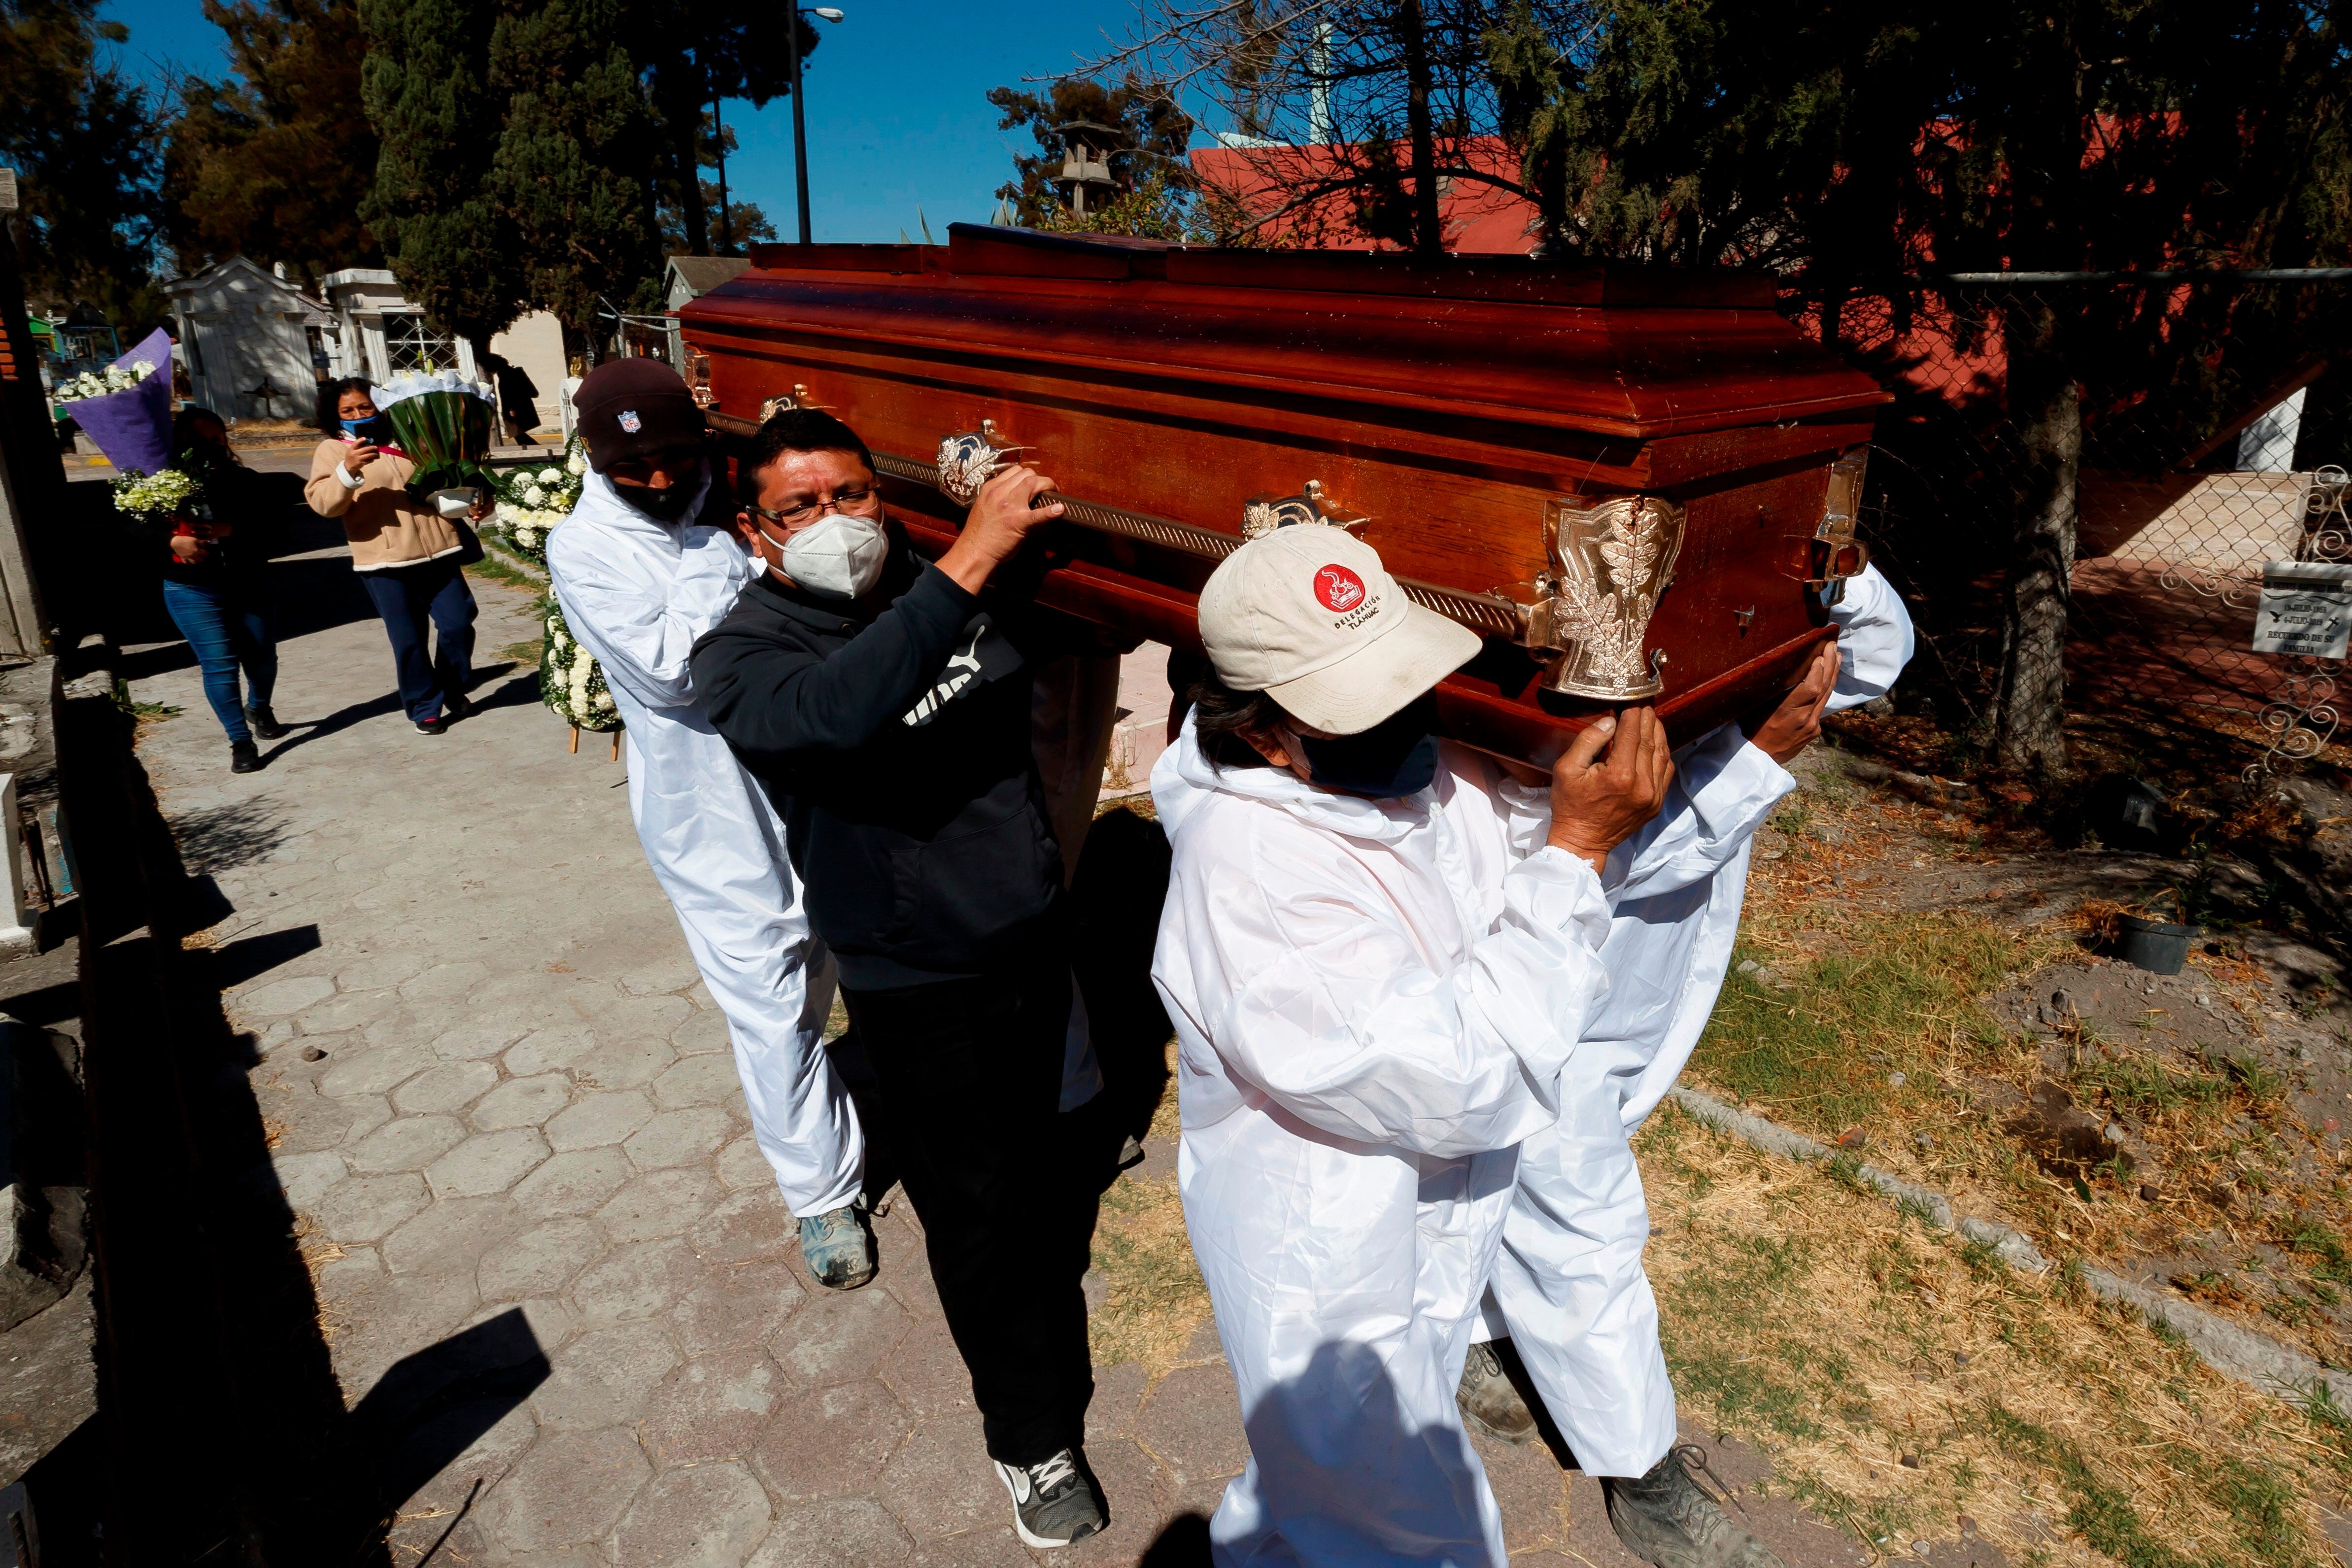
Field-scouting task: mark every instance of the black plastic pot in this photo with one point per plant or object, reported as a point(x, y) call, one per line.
point(2158, 946)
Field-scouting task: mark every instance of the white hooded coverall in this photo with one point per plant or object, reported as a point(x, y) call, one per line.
point(637, 592)
point(1372, 1002)
point(1569, 1288)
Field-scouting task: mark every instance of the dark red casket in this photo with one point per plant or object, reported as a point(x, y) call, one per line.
point(1533, 447)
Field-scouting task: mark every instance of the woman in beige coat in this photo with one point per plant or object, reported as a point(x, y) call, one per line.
point(409, 557)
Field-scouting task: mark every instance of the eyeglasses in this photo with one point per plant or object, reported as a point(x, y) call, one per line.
point(862, 500)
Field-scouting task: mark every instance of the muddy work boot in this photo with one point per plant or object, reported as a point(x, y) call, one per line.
point(838, 1248)
point(1489, 1401)
point(1665, 1519)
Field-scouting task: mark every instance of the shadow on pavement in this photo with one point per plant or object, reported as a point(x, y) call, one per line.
point(225, 1437)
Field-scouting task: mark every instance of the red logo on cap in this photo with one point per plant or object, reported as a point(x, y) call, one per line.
point(1338, 588)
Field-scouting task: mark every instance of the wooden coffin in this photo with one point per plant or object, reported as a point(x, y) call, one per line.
point(1446, 409)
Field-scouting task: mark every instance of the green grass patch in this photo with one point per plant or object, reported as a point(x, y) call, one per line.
point(1821, 1050)
point(526, 655)
point(496, 568)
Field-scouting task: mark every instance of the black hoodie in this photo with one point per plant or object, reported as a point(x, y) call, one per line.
point(892, 733)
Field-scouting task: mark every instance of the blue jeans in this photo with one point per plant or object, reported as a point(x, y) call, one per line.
point(226, 628)
point(410, 599)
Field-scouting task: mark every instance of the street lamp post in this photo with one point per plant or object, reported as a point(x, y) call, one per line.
point(799, 131)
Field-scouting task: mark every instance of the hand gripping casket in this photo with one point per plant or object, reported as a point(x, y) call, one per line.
point(1632, 481)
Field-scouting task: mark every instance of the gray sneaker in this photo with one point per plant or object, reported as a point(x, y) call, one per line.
point(1057, 1501)
point(1488, 1399)
point(1665, 1519)
point(838, 1248)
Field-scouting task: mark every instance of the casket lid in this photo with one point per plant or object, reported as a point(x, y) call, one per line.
point(1607, 348)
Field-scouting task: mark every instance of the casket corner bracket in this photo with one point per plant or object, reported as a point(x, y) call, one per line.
point(970, 458)
point(1609, 560)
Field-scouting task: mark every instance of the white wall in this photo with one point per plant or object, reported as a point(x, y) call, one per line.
point(238, 327)
point(536, 342)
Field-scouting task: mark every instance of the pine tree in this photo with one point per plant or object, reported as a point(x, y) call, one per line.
point(575, 164)
point(275, 162)
point(695, 52)
point(80, 136)
point(427, 89)
point(1154, 133)
point(1841, 143)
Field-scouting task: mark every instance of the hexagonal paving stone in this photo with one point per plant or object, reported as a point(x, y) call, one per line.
point(281, 997)
point(1193, 1420)
point(541, 1261)
point(549, 1050)
point(741, 1164)
point(407, 1143)
point(710, 1517)
point(379, 968)
point(570, 1488)
point(372, 1070)
point(688, 1137)
point(939, 1482)
point(523, 1102)
point(477, 1041)
point(702, 1034)
point(365, 1208)
point(623, 1064)
point(713, 1407)
point(346, 1010)
point(736, 1306)
point(834, 1535)
point(659, 1204)
point(451, 1235)
point(831, 1441)
point(747, 1224)
point(599, 1119)
point(304, 1178)
point(444, 980)
point(835, 1337)
point(636, 1282)
point(486, 1163)
point(574, 1183)
point(927, 1372)
point(624, 1020)
point(602, 1378)
point(452, 1086)
point(659, 974)
point(698, 1081)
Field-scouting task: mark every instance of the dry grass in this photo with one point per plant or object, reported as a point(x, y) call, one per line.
point(1842, 1334)
point(1155, 1296)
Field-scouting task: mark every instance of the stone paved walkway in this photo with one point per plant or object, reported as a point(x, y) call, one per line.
point(501, 1098)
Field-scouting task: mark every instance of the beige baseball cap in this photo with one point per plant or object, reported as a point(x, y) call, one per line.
point(1308, 616)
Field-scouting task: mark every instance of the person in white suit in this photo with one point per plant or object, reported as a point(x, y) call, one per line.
point(640, 575)
point(1374, 987)
point(1569, 1294)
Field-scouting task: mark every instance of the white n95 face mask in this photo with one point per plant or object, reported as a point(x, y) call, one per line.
point(837, 556)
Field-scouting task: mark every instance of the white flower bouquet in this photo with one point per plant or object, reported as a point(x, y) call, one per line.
point(99, 383)
point(532, 501)
point(126, 409)
point(154, 497)
point(569, 681)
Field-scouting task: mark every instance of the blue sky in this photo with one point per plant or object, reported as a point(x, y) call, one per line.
point(897, 109)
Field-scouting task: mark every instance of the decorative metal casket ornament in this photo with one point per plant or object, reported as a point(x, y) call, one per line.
point(1261, 515)
point(1831, 553)
point(970, 458)
point(1610, 561)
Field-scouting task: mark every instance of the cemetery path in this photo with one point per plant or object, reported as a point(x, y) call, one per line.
point(505, 1117)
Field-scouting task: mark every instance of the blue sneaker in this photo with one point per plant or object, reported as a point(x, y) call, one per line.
point(838, 1249)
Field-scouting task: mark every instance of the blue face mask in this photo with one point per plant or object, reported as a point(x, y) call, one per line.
point(1395, 757)
point(368, 430)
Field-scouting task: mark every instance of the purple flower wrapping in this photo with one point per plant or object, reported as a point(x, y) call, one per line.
point(133, 428)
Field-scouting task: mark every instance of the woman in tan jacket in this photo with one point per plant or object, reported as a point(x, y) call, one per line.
point(409, 557)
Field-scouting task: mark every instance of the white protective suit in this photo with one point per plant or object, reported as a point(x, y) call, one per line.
point(1569, 1288)
point(1372, 1002)
point(636, 594)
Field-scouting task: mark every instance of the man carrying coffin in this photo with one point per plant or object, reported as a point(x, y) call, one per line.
point(1569, 1300)
point(641, 571)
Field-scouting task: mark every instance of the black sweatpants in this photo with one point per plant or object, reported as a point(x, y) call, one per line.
point(969, 1074)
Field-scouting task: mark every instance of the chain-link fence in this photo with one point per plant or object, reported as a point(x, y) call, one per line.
point(2186, 431)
